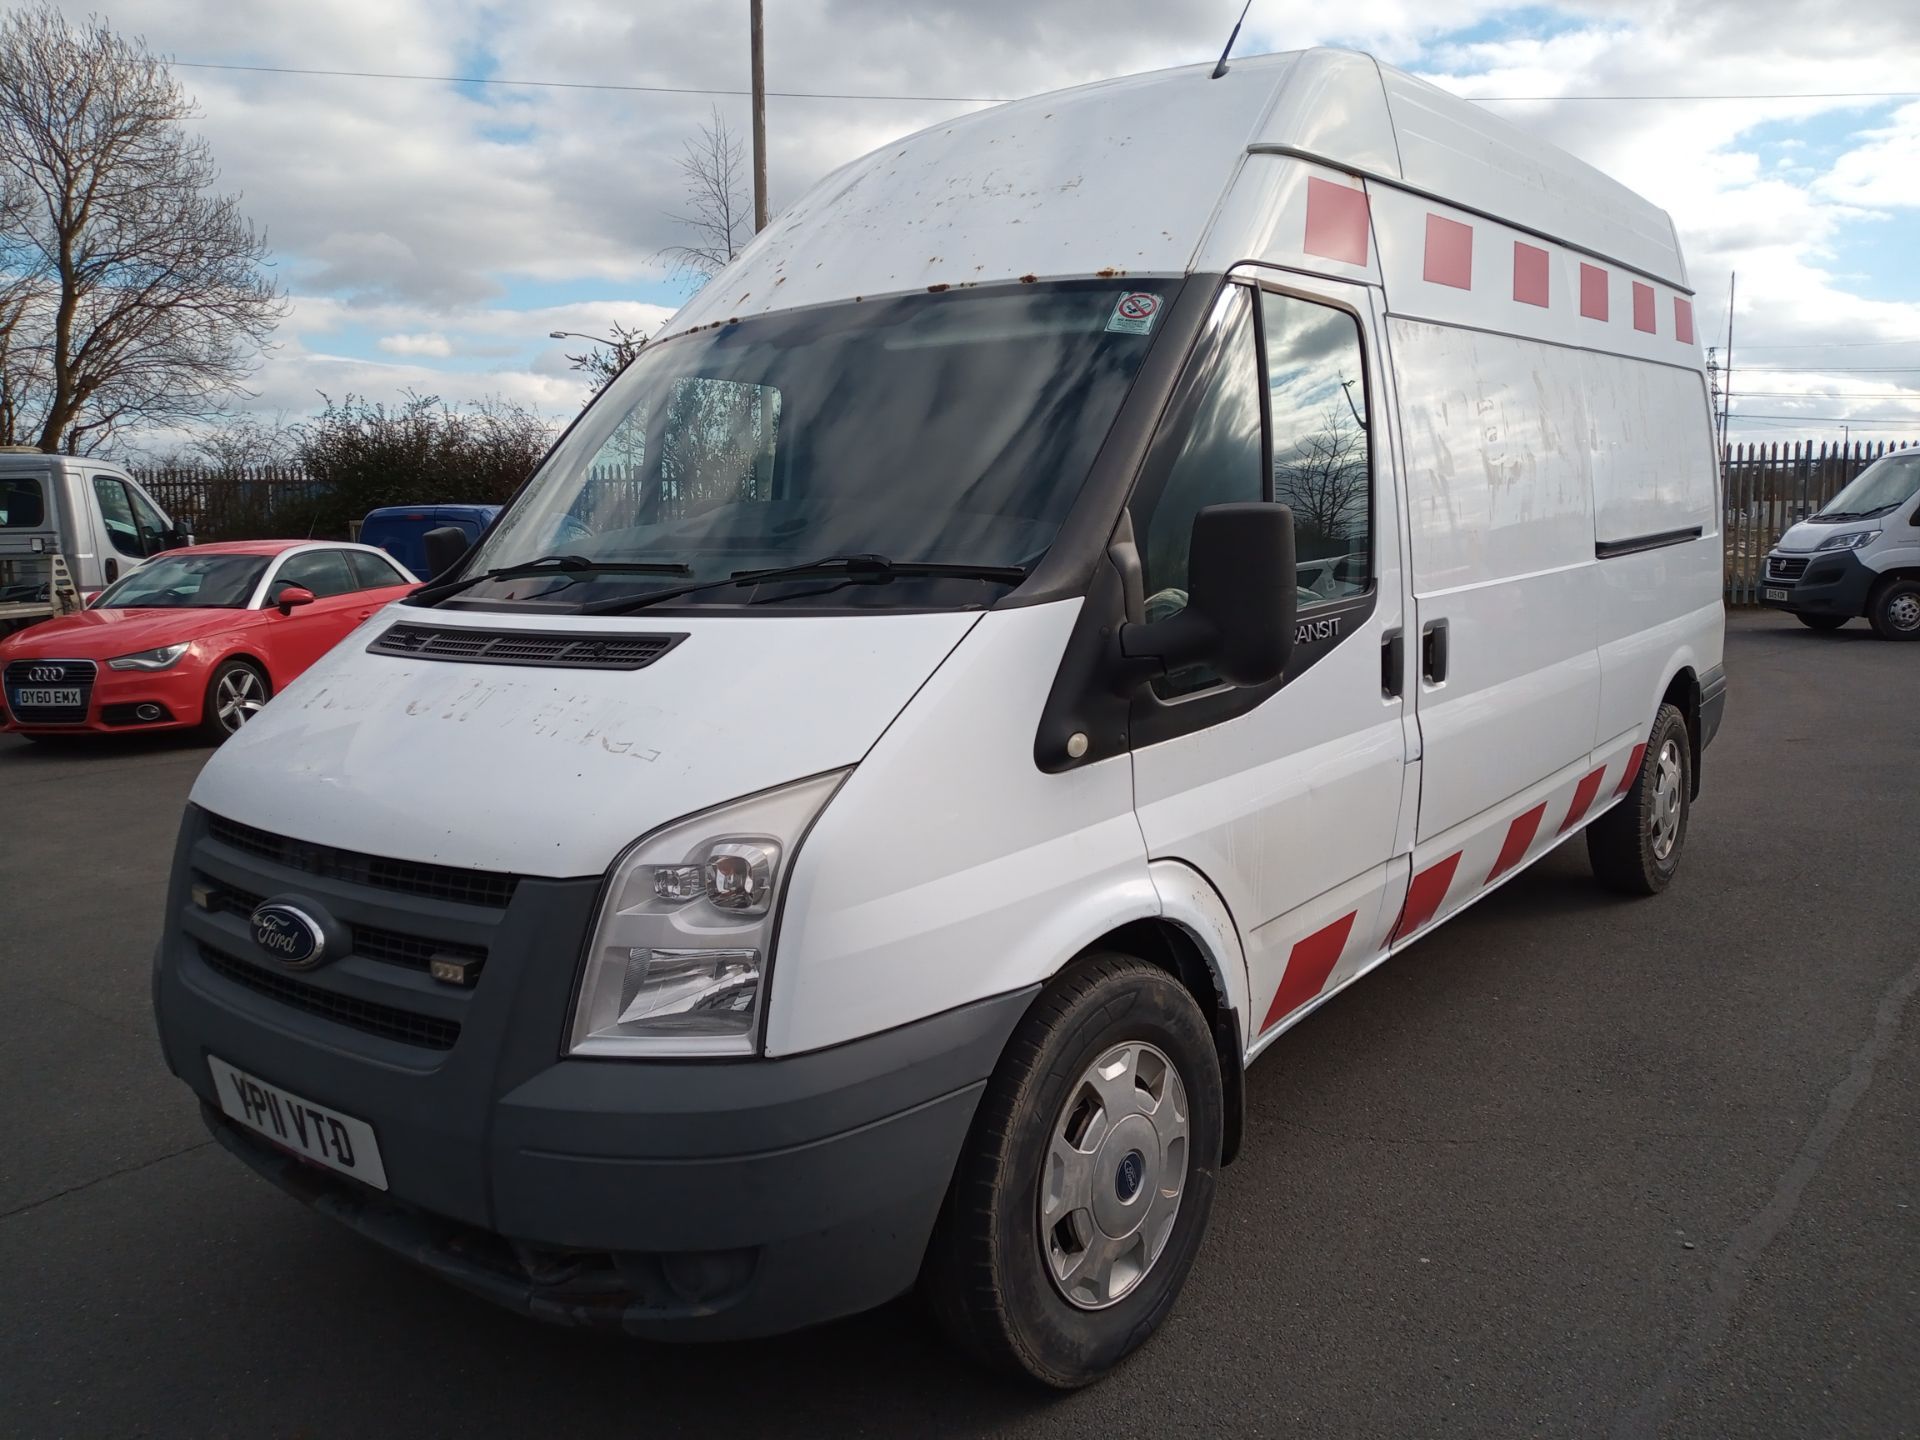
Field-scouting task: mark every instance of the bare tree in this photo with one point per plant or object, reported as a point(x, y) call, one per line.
point(131, 292)
point(721, 217)
point(603, 362)
point(1324, 478)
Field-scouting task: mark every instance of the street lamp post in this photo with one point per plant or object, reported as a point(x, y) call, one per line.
point(579, 335)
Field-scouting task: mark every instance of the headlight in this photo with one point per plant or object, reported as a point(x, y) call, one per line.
point(1851, 541)
point(150, 659)
point(678, 961)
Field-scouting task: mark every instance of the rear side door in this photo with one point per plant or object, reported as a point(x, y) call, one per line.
point(29, 534)
point(1501, 551)
point(1288, 797)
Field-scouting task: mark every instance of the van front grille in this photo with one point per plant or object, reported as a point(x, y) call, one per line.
point(388, 1021)
point(1785, 567)
point(415, 952)
point(438, 882)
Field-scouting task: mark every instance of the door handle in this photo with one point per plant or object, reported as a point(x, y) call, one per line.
point(1393, 662)
point(113, 570)
point(1433, 652)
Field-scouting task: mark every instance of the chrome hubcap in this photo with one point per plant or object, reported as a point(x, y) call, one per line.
point(1666, 800)
point(1904, 611)
point(238, 698)
point(1115, 1170)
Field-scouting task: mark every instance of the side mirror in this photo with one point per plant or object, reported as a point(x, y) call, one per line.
point(291, 596)
point(1241, 599)
point(445, 547)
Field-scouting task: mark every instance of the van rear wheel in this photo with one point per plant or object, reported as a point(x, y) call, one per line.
point(1895, 611)
point(1635, 847)
point(1080, 1201)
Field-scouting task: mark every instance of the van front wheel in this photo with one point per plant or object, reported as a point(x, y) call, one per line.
point(1635, 847)
point(1079, 1204)
point(1895, 611)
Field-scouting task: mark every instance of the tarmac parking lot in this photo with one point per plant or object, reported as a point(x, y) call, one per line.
point(1572, 1165)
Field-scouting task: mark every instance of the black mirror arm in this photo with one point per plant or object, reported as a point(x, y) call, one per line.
point(1145, 651)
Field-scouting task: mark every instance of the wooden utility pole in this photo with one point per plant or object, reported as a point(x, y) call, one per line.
point(759, 118)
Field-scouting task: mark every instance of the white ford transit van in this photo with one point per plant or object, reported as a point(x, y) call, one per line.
point(69, 527)
point(1090, 582)
point(1858, 555)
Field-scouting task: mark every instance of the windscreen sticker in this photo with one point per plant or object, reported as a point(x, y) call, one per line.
point(1134, 314)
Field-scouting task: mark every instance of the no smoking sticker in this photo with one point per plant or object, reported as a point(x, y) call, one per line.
point(1135, 313)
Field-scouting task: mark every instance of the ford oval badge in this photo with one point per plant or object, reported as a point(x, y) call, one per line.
point(289, 935)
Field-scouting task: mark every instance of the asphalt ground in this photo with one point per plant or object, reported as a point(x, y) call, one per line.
point(1571, 1166)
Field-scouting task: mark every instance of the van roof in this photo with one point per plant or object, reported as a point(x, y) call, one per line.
point(1127, 175)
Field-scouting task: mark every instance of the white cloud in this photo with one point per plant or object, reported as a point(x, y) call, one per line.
point(419, 211)
point(429, 344)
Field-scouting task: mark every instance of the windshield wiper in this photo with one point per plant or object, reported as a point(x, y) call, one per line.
point(873, 568)
point(548, 565)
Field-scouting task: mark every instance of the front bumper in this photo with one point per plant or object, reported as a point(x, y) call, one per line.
point(179, 692)
point(672, 1200)
point(1832, 584)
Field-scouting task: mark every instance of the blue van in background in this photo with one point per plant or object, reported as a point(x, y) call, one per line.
point(400, 530)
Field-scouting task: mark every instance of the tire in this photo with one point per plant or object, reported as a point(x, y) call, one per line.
point(1635, 847)
point(1821, 622)
point(235, 694)
point(1004, 1235)
point(1895, 610)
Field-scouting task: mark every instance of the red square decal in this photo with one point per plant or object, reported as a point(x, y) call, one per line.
point(1593, 292)
point(1643, 307)
point(1336, 222)
point(1683, 319)
point(1449, 253)
point(1529, 274)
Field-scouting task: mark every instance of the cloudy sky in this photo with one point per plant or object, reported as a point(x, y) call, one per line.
point(432, 232)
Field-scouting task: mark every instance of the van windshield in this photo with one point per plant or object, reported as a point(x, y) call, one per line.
point(1887, 482)
point(939, 429)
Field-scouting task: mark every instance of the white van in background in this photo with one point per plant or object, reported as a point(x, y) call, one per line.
point(69, 527)
point(1858, 555)
point(1090, 582)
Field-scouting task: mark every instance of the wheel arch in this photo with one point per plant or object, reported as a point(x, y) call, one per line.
point(1682, 691)
point(1194, 939)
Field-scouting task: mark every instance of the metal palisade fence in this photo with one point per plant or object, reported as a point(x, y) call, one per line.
point(248, 502)
point(1769, 487)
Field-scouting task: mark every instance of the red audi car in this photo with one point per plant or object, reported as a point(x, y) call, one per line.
point(196, 637)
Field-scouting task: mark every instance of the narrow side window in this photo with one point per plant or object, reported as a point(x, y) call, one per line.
point(1213, 457)
point(1317, 397)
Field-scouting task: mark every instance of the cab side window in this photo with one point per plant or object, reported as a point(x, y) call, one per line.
point(116, 512)
point(1317, 402)
point(324, 572)
point(1216, 459)
point(152, 525)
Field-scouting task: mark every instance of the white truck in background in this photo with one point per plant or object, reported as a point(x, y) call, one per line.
point(69, 527)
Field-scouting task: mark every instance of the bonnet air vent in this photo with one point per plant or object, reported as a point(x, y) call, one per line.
point(552, 649)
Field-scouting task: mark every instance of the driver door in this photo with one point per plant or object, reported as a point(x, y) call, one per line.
point(299, 638)
point(1293, 798)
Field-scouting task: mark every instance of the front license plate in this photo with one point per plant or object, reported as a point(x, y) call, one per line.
point(1776, 594)
point(310, 1131)
point(67, 697)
